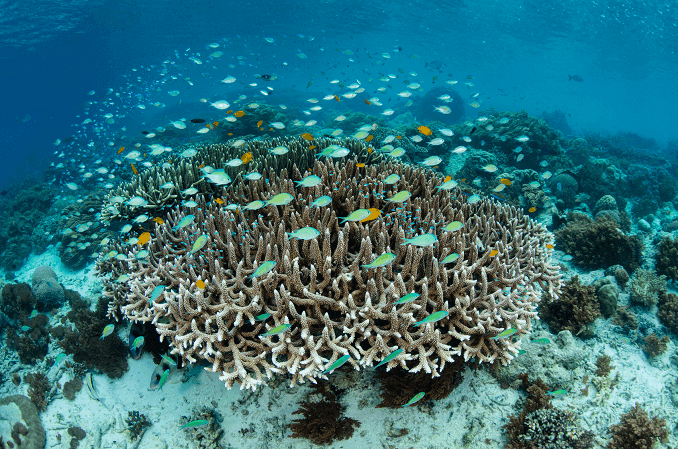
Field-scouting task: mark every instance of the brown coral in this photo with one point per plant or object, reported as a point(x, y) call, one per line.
point(667, 258)
point(636, 430)
point(599, 243)
point(667, 311)
point(574, 311)
point(333, 305)
point(654, 346)
point(645, 287)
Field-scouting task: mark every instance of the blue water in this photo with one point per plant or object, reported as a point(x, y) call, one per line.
point(520, 54)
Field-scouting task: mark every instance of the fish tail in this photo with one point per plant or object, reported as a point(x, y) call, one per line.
point(569, 76)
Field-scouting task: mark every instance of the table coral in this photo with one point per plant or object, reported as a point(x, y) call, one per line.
point(332, 305)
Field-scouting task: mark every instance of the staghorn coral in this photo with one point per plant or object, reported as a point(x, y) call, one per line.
point(667, 258)
point(645, 287)
point(187, 172)
point(636, 430)
point(599, 243)
point(333, 306)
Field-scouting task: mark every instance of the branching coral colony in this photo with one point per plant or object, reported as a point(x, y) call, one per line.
point(213, 304)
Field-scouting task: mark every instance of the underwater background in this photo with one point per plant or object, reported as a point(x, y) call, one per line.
point(338, 224)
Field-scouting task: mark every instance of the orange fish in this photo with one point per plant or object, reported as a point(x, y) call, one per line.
point(493, 253)
point(447, 178)
point(270, 129)
point(134, 169)
point(307, 136)
point(369, 138)
point(229, 111)
point(367, 101)
point(121, 150)
point(215, 124)
point(370, 150)
point(505, 181)
point(208, 126)
point(230, 134)
point(200, 284)
point(219, 201)
point(549, 246)
point(239, 113)
point(245, 158)
point(425, 130)
point(312, 147)
point(532, 209)
point(374, 214)
point(259, 123)
point(399, 137)
point(336, 97)
point(463, 179)
point(360, 165)
point(158, 220)
point(144, 238)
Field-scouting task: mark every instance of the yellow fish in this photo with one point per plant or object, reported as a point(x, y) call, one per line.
point(425, 130)
point(144, 238)
point(200, 284)
point(246, 157)
point(374, 214)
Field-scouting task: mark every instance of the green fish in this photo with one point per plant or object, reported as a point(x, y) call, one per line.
point(59, 358)
point(449, 259)
point(557, 393)
point(276, 330)
point(306, 233)
point(187, 220)
point(261, 317)
point(108, 330)
point(541, 341)
point(157, 291)
point(309, 181)
point(389, 357)
point(168, 359)
point(122, 278)
point(392, 179)
point(407, 298)
point(254, 205)
point(505, 334)
point(163, 378)
point(416, 398)
point(322, 201)
point(454, 226)
point(357, 215)
point(521, 351)
point(25, 328)
point(196, 423)
point(281, 199)
point(449, 185)
point(199, 243)
point(264, 268)
point(400, 197)
point(138, 342)
point(381, 261)
point(110, 254)
point(432, 318)
point(33, 314)
point(422, 240)
point(340, 361)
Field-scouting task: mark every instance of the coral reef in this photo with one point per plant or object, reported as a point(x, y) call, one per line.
point(31, 341)
point(598, 243)
point(46, 288)
point(322, 422)
point(636, 430)
point(575, 309)
point(666, 259)
point(645, 287)
point(607, 294)
point(667, 311)
point(207, 436)
point(619, 273)
point(625, 318)
point(38, 390)
point(108, 355)
point(319, 290)
point(32, 435)
point(653, 346)
point(137, 423)
point(76, 434)
point(603, 366)
point(71, 388)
